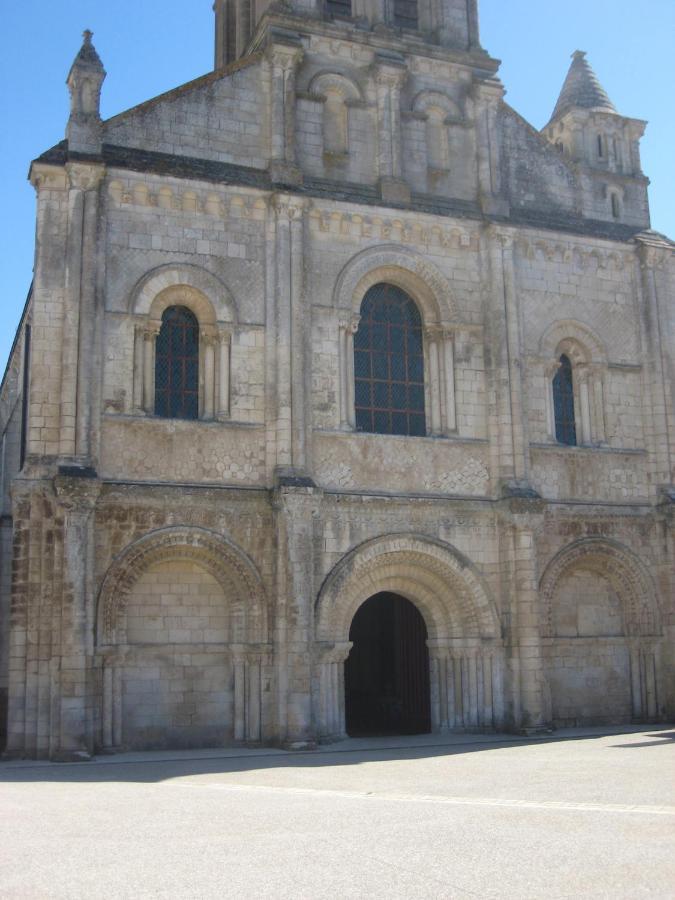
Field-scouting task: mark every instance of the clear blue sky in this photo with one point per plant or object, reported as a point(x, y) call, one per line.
point(149, 46)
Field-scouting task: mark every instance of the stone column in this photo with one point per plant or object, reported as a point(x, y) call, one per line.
point(473, 22)
point(79, 309)
point(293, 327)
point(643, 671)
point(329, 705)
point(247, 666)
point(296, 508)
point(433, 340)
point(520, 519)
point(77, 498)
point(506, 347)
point(149, 340)
point(207, 342)
point(487, 97)
point(139, 342)
point(657, 355)
point(390, 76)
point(347, 328)
point(549, 374)
point(283, 61)
point(449, 408)
point(597, 400)
point(223, 374)
point(583, 408)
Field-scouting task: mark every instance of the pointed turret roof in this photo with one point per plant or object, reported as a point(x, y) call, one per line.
point(87, 58)
point(581, 89)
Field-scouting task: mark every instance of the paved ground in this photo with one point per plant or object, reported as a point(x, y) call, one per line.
point(581, 814)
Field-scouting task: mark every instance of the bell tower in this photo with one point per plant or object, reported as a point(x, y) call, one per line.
point(446, 23)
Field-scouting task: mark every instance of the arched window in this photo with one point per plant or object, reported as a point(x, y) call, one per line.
point(177, 365)
point(563, 404)
point(405, 14)
point(389, 364)
point(601, 147)
point(339, 8)
point(616, 209)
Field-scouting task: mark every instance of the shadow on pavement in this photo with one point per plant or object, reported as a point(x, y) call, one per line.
point(156, 766)
point(663, 738)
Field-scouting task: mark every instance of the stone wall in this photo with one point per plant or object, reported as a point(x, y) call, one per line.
point(216, 118)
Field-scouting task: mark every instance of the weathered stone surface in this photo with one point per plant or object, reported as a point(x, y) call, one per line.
point(191, 582)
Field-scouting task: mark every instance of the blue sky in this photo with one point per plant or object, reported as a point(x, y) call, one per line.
point(149, 46)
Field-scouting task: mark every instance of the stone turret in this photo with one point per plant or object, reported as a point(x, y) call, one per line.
point(587, 128)
point(84, 82)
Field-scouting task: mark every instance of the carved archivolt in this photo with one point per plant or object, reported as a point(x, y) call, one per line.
point(427, 100)
point(620, 567)
point(229, 565)
point(575, 339)
point(215, 301)
point(406, 269)
point(326, 82)
point(434, 576)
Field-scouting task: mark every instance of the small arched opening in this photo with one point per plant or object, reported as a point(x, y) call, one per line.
point(387, 687)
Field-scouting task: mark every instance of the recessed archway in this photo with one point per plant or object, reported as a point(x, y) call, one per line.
point(466, 662)
point(387, 671)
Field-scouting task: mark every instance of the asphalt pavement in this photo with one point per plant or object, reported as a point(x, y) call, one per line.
point(573, 814)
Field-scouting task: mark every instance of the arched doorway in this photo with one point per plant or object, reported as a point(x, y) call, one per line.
point(387, 672)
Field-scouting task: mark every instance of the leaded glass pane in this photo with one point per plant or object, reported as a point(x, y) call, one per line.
point(563, 404)
point(177, 365)
point(405, 14)
point(389, 364)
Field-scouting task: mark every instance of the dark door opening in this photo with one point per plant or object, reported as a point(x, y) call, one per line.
point(387, 672)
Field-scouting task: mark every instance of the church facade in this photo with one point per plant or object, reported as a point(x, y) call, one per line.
point(342, 402)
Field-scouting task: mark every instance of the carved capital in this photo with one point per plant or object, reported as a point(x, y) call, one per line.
point(151, 329)
point(77, 488)
point(392, 74)
point(350, 325)
point(289, 207)
point(502, 236)
point(208, 336)
point(333, 653)
point(284, 56)
point(434, 333)
point(51, 178)
point(84, 176)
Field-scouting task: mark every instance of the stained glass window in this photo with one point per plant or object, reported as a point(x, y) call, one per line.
point(177, 365)
point(389, 364)
point(563, 404)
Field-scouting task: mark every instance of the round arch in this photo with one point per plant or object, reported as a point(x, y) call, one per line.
point(574, 339)
point(185, 285)
point(466, 665)
point(621, 568)
point(227, 563)
point(426, 100)
point(435, 577)
point(323, 82)
point(400, 266)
